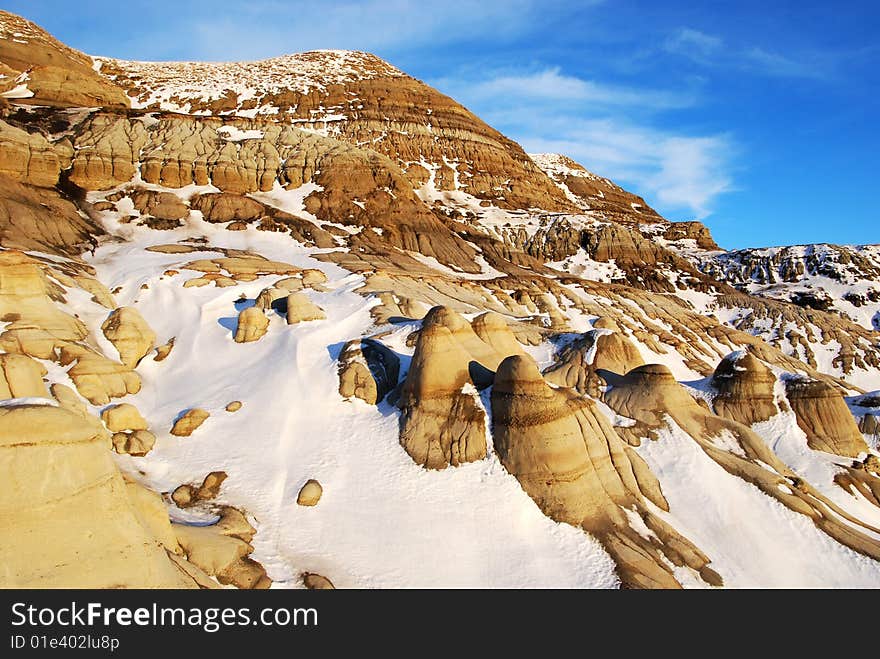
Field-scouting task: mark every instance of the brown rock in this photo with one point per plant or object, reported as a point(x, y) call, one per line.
point(367, 370)
point(301, 309)
point(252, 325)
point(745, 389)
point(314, 581)
point(137, 443)
point(124, 416)
point(189, 421)
point(310, 493)
point(234, 406)
point(129, 333)
point(823, 415)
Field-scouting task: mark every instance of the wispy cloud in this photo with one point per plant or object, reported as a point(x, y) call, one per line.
point(692, 43)
point(611, 130)
point(550, 84)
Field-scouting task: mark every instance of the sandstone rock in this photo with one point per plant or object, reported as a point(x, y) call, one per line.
point(571, 462)
point(188, 495)
point(493, 330)
point(129, 333)
point(234, 406)
point(164, 350)
point(137, 443)
point(314, 581)
point(300, 309)
point(225, 557)
point(68, 399)
point(268, 297)
point(463, 334)
point(745, 389)
point(21, 377)
point(124, 416)
point(161, 205)
point(28, 158)
point(289, 284)
point(310, 493)
point(578, 364)
point(98, 379)
point(252, 325)
point(226, 207)
point(67, 520)
point(441, 422)
point(367, 370)
point(186, 424)
point(823, 415)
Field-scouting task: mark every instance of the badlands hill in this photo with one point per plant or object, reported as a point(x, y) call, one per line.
point(261, 322)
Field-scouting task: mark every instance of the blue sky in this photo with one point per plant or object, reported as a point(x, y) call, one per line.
point(760, 118)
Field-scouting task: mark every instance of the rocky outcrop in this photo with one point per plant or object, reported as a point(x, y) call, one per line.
point(314, 581)
point(441, 422)
point(124, 416)
point(580, 364)
point(252, 325)
point(301, 309)
point(745, 389)
point(367, 370)
point(136, 443)
point(21, 377)
point(571, 462)
point(60, 482)
point(98, 379)
point(823, 415)
point(310, 493)
point(30, 158)
point(187, 495)
point(56, 74)
point(189, 421)
point(130, 334)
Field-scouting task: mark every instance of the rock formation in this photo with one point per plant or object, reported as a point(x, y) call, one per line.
point(367, 370)
point(823, 415)
point(310, 493)
point(745, 389)
point(301, 309)
point(571, 462)
point(579, 363)
point(252, 325)
point(187, 422)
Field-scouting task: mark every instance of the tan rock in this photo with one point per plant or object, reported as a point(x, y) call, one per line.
point(65, 516)
point(226, 207)
point(234, 406)
point(301, 309)
point(823, 415)
point(187, 423)
point(21, 377)
point(164, 350)
point(252, 325)
point(98, 379)
point(314, 581)
point(493, 330)
point(312, 277)
point(137, 443)
point(123, 416)
point(130, 334)
point(570, 461)
point(225, 557)
point(745, 389)
point(310, 493)
point(580, 365)
point(68, 399)
point(441, 424)
point(367, 370)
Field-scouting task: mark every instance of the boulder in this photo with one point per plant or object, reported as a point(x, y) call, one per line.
point(745, 389)
point(441, 423)
point(300, 309)
point(124, 416)
point(314, 581)
point(187, 423)
point(822, 413)
point(367, 370)
point(129, 333)
point(310, 493)
point(252, 325)
point(137, 443)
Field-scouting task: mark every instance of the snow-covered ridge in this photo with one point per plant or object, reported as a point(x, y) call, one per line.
point(179, 82)
point(560, 165)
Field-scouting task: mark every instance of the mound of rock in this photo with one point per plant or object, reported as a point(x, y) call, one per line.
point(136, 443)
point(579, 363)
point(124, 416)
point(252, 325)
point(745, 389)
point(130, 334)
point(571, 462)
point(66, 516)
point(301, 309)
point(21, 377)
point(187, 423)
point(441, 423)
point(367, 370)
point(823, 415)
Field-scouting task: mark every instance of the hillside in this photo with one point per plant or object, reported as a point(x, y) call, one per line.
point(307, 321)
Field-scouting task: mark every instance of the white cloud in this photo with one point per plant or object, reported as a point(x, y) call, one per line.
point(550, 84)
point(693, 43)
point(610, 130)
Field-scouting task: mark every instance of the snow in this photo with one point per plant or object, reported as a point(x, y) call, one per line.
point(466, 526)
point(752, 539)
